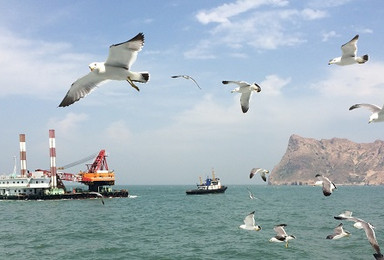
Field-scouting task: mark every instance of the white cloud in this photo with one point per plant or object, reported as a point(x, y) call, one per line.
point(37, 68)
point(221, 14)
point(273, 84)
point(68, 125)
point(328, 35)
point(260, 24)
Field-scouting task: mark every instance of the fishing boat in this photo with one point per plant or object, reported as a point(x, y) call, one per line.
point(209, 186)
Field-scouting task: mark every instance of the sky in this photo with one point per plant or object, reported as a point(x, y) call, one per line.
point(171, 132)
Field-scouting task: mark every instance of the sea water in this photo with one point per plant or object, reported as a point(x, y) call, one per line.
point(162, 222)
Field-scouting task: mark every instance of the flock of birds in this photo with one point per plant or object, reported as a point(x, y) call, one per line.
point(327, 187)
point(118, 67)
point(122, 56)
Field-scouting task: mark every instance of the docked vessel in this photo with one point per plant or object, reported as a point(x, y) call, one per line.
point(48, 184)
point(209, 186)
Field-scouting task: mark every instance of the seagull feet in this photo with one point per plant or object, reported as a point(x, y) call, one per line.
point(286, 245)
point(132, 84)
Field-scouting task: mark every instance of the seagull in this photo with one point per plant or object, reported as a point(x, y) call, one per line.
point(249, 222)
point(281, 235)
point(377, 112)
point(246, 90)
point(328, 186)
point(98, 195)
point(338, 232)
point(263, 173)
point(368, 228)
point(251, 196)
point(186, 77)
point(116, 67)
point(349, 54)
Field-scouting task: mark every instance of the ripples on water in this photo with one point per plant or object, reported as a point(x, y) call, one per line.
point(164, 223)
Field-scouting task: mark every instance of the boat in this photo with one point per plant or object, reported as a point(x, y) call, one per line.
point(209, 186)
point(48, 184)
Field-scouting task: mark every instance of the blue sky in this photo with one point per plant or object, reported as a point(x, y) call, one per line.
point(171, 132)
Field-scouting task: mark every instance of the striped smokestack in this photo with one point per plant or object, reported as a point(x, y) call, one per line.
point(52, 154)
point(23, 156)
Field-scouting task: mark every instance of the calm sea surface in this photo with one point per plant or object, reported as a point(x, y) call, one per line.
point(162, 222)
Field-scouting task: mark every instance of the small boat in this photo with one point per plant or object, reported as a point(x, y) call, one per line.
point(211, 185)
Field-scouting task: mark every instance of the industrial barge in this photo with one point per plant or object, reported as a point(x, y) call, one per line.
point(48, 184)
point(208, 187)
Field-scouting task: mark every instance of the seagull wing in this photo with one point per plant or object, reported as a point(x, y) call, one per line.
point(263, 176)
point(244, 101)
point(253, 172)
point(187, 77)
point(80, 88)
point(350, 48)
point(239, 83)
point(372, 108)
point(280, 230)
point(124, 54)
point(249, 220)
point(370, 233)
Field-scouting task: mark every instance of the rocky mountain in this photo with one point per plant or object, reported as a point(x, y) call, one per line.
point(343, 161)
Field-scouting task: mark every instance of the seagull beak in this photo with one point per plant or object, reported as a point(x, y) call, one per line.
point(90, 68)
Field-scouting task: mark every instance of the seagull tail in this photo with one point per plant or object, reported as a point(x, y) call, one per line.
point(378, 256)
point(362, 59)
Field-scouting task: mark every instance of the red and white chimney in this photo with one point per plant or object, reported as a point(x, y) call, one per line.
point(52, 154)
point(23, 156)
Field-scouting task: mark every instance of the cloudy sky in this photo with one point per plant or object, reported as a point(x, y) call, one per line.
point(171, 132)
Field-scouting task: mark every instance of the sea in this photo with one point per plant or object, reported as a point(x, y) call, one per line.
point(162, 222)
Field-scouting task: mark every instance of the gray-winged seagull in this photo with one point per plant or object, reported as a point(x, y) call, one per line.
point(263, 173)
point(328, 186)
point(338, 232)
point(186, 77)
point(281, 236)
point(377, 112)
point(246, 90)
point(249, 222)
point(368, 228)
point(116, 67)
point(349, 52)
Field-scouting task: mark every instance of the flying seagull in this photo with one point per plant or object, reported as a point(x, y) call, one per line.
point(263, 173)
point(328, 186)
point(281, 236)
point(368, 228)
point(186, 77)
point(246, 91)
point(338, 232)
point(349, 54)
point(98, 195)
point(377, 112)
point(116, 67)
point(249, 222)
point(251, 196)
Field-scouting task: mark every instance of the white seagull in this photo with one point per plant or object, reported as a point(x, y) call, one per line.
point(246, 90)
point(377, 112)
point(116, 67)
point(186, 77)
point(281, 236)
point(328, 186)
point(368, 228)
point(349, 54)
point(249, 222)
point(250, 194)
point(263, 173)
point(338, 232)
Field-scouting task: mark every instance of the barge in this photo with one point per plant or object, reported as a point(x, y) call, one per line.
point(49, 185)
